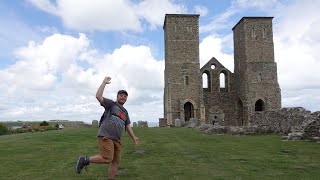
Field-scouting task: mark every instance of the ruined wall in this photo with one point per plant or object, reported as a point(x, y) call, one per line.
point(252, 88)
point(288, 120)
point(219, 102)
point(255, 67)
point(297, 123)
point(162, 122)
point(182, 67)
point(142, 123)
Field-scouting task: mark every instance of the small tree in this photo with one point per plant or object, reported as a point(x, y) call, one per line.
point(44, 123)
point(3, 129)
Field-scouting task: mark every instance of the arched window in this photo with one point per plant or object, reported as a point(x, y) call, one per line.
point(259, 106)
point(222, 80)
point(264, 33)
point(204, 80)
point(253, 34)
point(259, 77)
point(186, 80)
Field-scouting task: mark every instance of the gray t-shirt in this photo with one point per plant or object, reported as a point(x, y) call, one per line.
point(115, 119)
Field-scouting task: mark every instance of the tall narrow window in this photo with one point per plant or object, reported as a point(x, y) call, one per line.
point(259, 77)
point(204, 80)
point(222, 80)
point(189, 29)
point(186, 80)
point(264, 33)
point(253, 34)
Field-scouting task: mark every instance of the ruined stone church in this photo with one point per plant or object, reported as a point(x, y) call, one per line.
point(227, 99)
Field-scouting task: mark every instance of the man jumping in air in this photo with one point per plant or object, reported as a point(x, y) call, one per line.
point(114, 120)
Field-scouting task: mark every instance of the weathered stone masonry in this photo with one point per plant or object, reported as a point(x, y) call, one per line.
point(252, 88)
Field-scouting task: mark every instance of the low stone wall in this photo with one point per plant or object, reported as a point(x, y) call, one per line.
point(280, 121)
point(142, 123)
point(95, 123)
point(162, 122)
point(297, 123)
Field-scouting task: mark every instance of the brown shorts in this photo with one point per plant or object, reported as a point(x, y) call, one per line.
point(110, 149)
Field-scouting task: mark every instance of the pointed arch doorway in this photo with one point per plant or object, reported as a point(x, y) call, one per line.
point(188, 111)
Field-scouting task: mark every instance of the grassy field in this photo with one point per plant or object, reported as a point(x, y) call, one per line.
point(164, 153)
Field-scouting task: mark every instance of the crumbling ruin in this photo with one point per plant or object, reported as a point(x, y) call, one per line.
point(247, 101)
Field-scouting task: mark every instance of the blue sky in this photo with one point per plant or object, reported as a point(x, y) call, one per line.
point(54, 54)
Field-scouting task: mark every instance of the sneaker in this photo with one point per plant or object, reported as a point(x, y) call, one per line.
point(83, 161)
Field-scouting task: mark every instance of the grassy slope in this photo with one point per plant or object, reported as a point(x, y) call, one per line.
point(168, 153)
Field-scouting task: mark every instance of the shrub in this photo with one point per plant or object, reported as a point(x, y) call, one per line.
point(20, 130)
point(44, 123)
point(49, 128)
point(3, 129)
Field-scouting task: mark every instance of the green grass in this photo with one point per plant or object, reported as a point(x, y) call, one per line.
point(164, 153)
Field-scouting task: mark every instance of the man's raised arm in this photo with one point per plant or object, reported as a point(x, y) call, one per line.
point(99, 94)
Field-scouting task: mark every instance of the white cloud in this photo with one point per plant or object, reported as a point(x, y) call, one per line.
point(202, 10)
point(48, 77)
point(211, 46)
point(296, 51)
point(153, 11)
point(296, 41)
point(109, 15)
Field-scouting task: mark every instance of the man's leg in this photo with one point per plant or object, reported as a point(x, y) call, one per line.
point(99, 159)
point(106, 147)
point(113, 167)
point(82, 162)
point(112, 171)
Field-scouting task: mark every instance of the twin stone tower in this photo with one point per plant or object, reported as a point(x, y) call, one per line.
point(212, 93)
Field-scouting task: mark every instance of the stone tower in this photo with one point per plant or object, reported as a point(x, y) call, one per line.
point(183, 96)
point(255, 69)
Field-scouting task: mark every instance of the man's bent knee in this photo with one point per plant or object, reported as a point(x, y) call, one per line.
point(107, 159)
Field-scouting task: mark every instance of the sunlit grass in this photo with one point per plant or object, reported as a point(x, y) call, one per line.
point(164, 153)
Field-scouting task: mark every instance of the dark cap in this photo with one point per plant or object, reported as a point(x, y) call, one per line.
point(122, 92)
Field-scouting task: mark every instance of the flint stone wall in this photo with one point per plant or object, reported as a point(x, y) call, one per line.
point(95, 123)
point(162, 122)
point(297, 123)
point(142, 123)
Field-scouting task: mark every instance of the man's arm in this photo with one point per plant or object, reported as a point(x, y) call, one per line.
point(99, 94)
point(130, 132)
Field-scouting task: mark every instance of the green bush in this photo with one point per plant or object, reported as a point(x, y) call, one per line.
point(3, 129)
point(44, 123)
point(20, 130)
point(49, 128)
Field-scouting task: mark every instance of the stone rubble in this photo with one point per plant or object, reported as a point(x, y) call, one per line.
point(296, 123)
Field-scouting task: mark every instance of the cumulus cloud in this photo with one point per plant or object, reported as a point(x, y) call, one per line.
point(296, 42)
point(48, 81)
point(296, 51)
point(153, 11)
point(212, 46)
point(202, 10)
point(111, 15)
